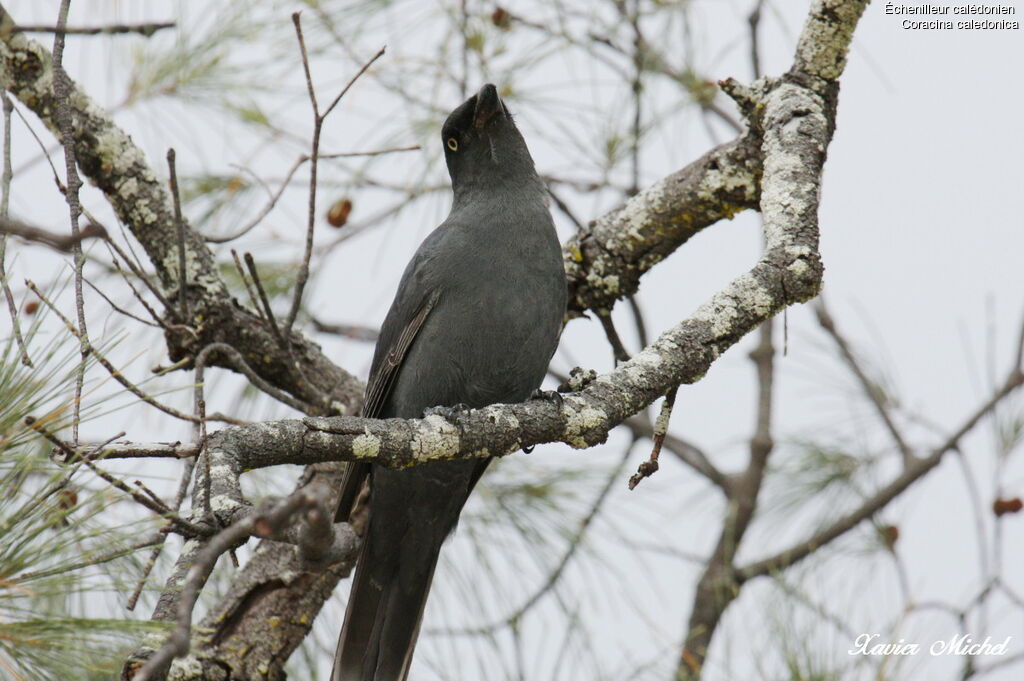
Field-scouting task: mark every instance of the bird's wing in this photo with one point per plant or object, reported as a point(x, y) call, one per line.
point(382, 378)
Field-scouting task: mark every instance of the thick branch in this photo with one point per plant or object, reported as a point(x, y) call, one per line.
point(605, 262)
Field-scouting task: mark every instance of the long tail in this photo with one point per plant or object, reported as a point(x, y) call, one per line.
point(382, 620)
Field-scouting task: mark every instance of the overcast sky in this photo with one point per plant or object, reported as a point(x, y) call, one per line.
point(921, 235)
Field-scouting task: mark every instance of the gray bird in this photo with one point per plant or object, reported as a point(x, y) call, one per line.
point(475, 321)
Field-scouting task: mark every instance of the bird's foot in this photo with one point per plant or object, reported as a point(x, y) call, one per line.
point(447, 413)
point(548, 395)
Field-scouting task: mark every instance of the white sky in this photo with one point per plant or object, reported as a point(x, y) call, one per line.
point(921, 239)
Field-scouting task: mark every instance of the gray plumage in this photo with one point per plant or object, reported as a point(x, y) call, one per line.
point(475, 321)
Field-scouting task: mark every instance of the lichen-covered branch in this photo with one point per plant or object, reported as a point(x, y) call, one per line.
point(605, 262)
point(112, 162)
point(797, 116)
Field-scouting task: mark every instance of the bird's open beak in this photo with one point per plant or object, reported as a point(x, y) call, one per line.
point(488, 105)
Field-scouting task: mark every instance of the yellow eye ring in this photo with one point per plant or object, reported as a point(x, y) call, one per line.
point(453, 144)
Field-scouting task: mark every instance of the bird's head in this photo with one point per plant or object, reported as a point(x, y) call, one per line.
point(482, 145)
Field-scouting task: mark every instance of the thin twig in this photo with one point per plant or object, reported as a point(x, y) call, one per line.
point(874, 392)
point(275, 197)
point(142, 29)
point(650, 466)
point(115, 373)
point(186, 527)
point(235, 359)
point(266, 209)
point(120, 309)
point(300, 282)
point(138, 272)
point(687, 452)
point(248, 285)
point(566, 210)
point(179, 498)
point(60, 242)
point(314, 155)
point(754, 21)
point(5, 200)
point(559, 570)
point(352, 80)
point(200, 412)
point(373, 152)
point(62, 117)
point(638, 320)
point(883, 496)
point(251, 264)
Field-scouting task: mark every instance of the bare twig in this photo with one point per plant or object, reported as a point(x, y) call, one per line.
point(873, 391)
point(251, 264)
point(314, 155)
point(62, 116)
point(372, 152)
point(687, 452)
point(248, 285)
point(235, 359)
point(200, 427)
point(883, 496)
point(754, 21)
point(141, 275)
point(60, 242)
point(179, 498)
point(121, 310)
point(266, 209)
point(566, 210)
point(276, 196)
point(5, 200)
point(148, 540)
point(142, 29)
point(128, 450)
point(114, 372)
point(186, 527)
point(513, 618)
point(650, 466)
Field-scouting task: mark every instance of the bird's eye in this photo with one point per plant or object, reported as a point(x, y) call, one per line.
point(453, 144)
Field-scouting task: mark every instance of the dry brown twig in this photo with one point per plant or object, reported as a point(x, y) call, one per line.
point(314, 156)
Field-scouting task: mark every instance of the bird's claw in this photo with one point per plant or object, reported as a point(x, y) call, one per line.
point(447, 413)
point(548, 395)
